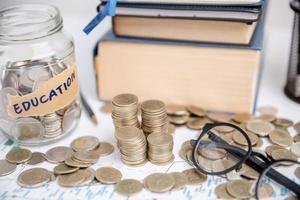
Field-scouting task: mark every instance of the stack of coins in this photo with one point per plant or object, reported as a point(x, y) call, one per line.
point(132, 144)
point(52, 125)
point(160, 148)
point(125, 110)
point(154, 117)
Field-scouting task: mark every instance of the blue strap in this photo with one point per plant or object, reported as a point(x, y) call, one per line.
point(108, 10)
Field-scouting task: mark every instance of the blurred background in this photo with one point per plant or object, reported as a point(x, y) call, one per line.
point(278, 32)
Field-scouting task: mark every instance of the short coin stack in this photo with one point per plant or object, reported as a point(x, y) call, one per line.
point(160, 148)
point(154, 117)
point(133, 145)
point(125, 110)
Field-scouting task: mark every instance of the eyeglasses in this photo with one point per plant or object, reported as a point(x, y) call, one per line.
point(212, 145)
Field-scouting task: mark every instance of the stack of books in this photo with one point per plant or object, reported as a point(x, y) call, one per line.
point(190, 52)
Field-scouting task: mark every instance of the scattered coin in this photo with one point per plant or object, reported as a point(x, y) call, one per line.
point(35, 177)
point(279, 154)
point(36, 158)
point(249, 173)
point(281, 137)
point(239, 189)
point(198, 111)
point(284, 123)
point(129, 187)
point(242, 117)
point(295, 149)
point(59, 154)
point(89, 176)
point(221, 191)
point(212, 154)
point(220, 117)
point(179, 120)
point(178, 110)
point(6, 168)
point(268, 110)
point(64, 169)
point(269, 149)
point(72, 179)
point(296, 138)
point(18, 155)
point(159, 182)
point(76, 163)
point(185, 147)
point(194, 177)
point(221, 165)
point(267, 117)
point(265, 191)
point(104, 149)
point(205, 163)
point(197, 123)
point(260, 127)
point(85, 143)
point(239, 138)
point(297, 172)
point(180, 180)
point(108, 175)
point(86, 156)
point(291, 198)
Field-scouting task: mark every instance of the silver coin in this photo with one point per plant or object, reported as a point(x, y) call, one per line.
point(39, 82)
point(28, 128)
point(7, 168)
point(59, 154)
point(35, 73)
point(35, 177)
point(10, 80)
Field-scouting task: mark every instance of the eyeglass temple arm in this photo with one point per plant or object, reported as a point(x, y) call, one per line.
point(259, 166)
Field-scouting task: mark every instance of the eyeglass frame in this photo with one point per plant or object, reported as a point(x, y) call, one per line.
point(250, 156)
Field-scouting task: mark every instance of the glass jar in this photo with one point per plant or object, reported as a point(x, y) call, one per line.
point(39, 89)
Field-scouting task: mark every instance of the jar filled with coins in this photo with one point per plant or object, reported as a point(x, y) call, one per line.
point(39, 89)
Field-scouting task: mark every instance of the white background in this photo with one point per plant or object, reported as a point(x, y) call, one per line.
point(77, 13)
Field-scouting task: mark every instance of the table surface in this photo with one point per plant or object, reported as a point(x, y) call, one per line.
point(76, 15)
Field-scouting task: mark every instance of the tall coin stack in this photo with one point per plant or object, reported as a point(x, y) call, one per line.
point(125, 110)
point(160, 148)
point(133, 145)
point(154, 117)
